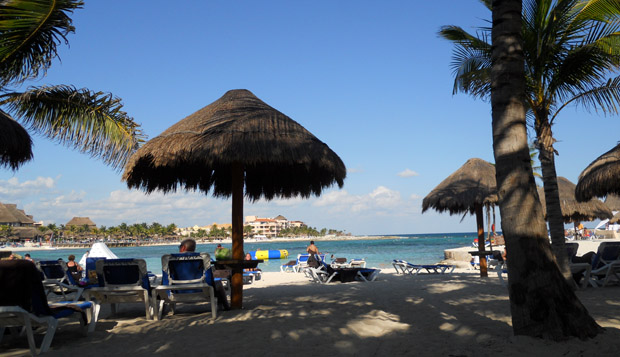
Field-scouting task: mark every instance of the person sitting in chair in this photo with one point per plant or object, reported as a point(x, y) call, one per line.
point(189, 246)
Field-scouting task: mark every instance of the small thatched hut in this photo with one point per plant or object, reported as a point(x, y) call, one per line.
point(573, 210)
point(601, 177)
point(10, 215)
point(468, 189)
point(81, 222)
point(237, 146)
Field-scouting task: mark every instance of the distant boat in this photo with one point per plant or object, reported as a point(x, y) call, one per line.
point(49, 247)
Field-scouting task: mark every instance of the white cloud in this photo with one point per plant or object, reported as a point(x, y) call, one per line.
point(354, 170)
point(408, 173)
point(381, 200)
point(414, 197)
point(12, 189)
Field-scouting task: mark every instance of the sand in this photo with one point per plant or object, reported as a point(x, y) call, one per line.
point(285, 314)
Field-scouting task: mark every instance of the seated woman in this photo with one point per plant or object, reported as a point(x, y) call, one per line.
point(74, 268)
point(249, 257)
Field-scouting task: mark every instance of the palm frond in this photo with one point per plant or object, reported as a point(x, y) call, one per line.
point(15, 143)
point(600, 10)
point(91, 122)
point(471, 61)
point(604, 98)
point(31, 30)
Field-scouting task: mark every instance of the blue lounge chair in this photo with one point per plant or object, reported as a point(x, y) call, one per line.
point(23, 303)
point(288, 267)
point(605, 265)
point(121, 281)
point(186, 277)
point(57, 279)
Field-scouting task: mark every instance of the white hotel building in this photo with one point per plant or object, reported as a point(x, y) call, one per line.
point(270, 227)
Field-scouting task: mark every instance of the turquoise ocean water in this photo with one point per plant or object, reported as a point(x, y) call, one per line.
point(417, 248)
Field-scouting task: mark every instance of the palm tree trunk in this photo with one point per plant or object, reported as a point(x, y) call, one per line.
point(552, 194)
point(541, 302)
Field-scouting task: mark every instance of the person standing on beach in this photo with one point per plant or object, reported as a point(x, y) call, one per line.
point(189, 246)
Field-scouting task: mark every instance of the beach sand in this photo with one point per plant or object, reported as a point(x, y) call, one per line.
point(285, 314)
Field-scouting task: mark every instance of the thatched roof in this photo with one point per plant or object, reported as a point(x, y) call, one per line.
point(473, 184)
point(280, 158)
point(615, 219)
point(280, 218)
point(15, 143)
point(26, 232)
point(572, 210)
point(601, 177)
point(10, 214)
point(80, 222)
point(613, 202)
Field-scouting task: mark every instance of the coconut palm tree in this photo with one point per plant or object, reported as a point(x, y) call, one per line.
point(532, 271)
point(570, 49)
point(91, 122)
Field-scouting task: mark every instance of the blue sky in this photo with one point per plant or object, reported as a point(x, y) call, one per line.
point(371, 79)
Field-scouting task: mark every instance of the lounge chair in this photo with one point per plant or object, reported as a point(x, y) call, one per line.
point(251, 276)
point(605, 265)
point(288, 267)
point(186, 278)
point(326, 274)
point(23, 303)
point(122, 281)
point(57, 279)
point(357, 263)
point(302, 261)
point(404, 267)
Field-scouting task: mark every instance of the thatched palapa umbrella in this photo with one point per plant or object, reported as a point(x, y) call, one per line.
point(613, 202)
point(235, 142)
point(15, 142)
point(573, 210)
point(601, 177)
point(468, 189)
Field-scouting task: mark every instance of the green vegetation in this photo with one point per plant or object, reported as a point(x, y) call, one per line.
point(308, 232)
point(123, 230)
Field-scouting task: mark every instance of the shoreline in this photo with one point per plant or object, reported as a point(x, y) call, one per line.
point(218, 241)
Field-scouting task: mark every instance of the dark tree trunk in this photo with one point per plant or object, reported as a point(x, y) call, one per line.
point(552, 194)
point(236, 291)
point(542, 303)
point(481, 243)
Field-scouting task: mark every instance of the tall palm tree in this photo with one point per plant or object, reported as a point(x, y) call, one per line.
point(91, 122)
point(570, 49)
point(532, 271)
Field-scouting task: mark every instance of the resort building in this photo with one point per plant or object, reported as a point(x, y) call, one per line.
point(11, 216)
point(81, 222)
point(20, 225)
point(270, 227)
point(188, 231)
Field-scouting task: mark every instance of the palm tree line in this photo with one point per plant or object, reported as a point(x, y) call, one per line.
point(123, 230)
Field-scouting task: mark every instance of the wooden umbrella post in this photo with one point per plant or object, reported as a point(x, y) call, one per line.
point(481, 242)
point(236, 294)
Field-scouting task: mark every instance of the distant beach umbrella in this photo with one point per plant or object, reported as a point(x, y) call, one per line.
point(615, 219)
point(15, 142)
point(613, 202)
point(573, 210)
point(468, 189)
point(601, 177)
point(235, 142)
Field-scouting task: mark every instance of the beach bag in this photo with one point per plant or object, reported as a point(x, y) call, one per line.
point(313, 262)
